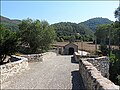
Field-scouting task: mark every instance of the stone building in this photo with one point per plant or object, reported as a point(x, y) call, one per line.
point(67, 49)
point(70, 48)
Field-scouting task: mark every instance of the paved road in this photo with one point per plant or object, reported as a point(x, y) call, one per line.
point(58, 72)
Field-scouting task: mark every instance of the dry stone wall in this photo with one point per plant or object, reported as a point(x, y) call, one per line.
point(12, 68)
point(102, 65)
point(92, 78)
point(33, 57)
point(39, 57)
point(21, 63)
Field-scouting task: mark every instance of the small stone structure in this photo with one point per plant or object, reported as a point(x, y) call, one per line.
point(92, 78)
point(68, 49)
point(12, 68)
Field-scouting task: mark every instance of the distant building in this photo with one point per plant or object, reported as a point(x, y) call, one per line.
point(70, 48)
point(67, 49)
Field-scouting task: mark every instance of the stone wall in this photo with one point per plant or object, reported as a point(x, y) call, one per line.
point(21, 63)
point(93, 79)
point(38, 57)
point(12, 68)
point(33, 57)
point(102, 65)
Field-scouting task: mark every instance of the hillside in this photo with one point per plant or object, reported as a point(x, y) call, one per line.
point(9, 23)
point(94, 22)
point(7, 20)
point(67, 30)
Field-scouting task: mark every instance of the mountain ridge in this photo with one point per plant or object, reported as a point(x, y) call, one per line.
point(91, 24)
point(94, 22)
point(5, 19)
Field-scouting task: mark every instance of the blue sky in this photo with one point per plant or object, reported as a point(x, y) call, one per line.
point(59, 11)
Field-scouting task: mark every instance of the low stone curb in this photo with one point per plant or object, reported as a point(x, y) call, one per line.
point(10, 69)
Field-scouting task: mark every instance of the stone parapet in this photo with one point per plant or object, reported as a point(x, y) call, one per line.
point(92, 78)
point(33, 57)
point(38, 57)
point(12, 68)
point(102, 64)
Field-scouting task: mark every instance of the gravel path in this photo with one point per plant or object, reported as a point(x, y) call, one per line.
point(58, 72)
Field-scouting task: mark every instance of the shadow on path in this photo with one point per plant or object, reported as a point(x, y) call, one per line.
point(73, 60)
point(77, 82)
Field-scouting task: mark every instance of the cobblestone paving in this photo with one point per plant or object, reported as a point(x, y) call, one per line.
point(58, 72)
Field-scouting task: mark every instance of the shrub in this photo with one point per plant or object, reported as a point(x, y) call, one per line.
point(118, 77)
point(8, 43)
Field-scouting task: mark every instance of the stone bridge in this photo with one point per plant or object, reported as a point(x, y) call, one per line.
point(59, 72)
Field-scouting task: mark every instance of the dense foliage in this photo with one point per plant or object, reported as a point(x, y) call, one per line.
point(108, 32)
point(10, 24)
point(35, 35)
point(94, 22)
point(115, 66)
point(31, 37)
point(68, 31)
point(8, 43)
point(117, 13)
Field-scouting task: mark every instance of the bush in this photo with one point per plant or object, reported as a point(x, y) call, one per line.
point(114, 68)
point(104, 49)
point(8, 43)
point(118, 77)
point(36, 35)
point(99, 52)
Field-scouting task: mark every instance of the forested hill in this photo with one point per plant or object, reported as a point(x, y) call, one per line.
point(9, 23)
point(94, 22)
point(65, 30)
point(68, 30)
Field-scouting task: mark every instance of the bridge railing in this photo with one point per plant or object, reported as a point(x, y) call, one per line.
point(92, 78)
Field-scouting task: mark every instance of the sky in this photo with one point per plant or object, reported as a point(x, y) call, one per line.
point(59, 11)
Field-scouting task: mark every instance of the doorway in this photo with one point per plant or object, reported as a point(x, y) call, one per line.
point(71, 51)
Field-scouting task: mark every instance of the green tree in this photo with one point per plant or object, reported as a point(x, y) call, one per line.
point(8, 43)
point(114, 67)
point(116, 36)
point(118, 77)
point(47, 36)
point(117, 14)
point(103, 37)
point(36, 35)
point(67, 29)
point(102, 33)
